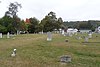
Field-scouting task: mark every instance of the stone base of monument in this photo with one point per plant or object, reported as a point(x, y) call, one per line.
point(65, 59)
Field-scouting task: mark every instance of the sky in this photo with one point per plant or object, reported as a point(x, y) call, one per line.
point(69, 10)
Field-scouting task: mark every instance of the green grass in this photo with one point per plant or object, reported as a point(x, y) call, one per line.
point(34, 51)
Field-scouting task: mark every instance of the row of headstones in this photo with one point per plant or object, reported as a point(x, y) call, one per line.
point(49, 36)
point(71, 34)
point(8, 35)
point(86, 38)
point(68, 33)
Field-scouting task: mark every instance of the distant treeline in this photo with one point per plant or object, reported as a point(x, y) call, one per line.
point(90, 24)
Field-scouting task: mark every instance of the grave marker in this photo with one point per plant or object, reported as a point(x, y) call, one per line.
point(65, 59)
point(8, 35)
point(0, 35)
point(90, 35)
point(49, 36)
point(13, 53)
point(86, 39)
point(63, 32)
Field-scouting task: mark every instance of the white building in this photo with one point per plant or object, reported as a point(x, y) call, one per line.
point(71, 30)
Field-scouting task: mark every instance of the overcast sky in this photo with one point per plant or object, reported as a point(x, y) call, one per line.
point(69, 10)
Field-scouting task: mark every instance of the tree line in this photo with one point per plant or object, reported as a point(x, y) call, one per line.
point(10, 22)
point(83, 25)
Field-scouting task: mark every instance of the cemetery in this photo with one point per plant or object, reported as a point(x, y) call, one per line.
point(50, 50)
point(49, 41)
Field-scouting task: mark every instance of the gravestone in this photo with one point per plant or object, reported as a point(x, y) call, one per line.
point(63, 32)
point(42, 32)
point(86, 39)
point(49, 36)
point(65, 59)
point(60, 30)
point(18, 32)
point(13, 53)
point(8, 35)
point(90, 35)
point(0, 35)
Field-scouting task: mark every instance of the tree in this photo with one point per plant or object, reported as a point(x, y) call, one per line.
point(13, 9)
point(22, 26)
point(3, 29)
point(49, 22)
point(10, 22)
point(6, 22)
point(85, 25)
point(12, 12)
point(59, 24)
point(32, 28)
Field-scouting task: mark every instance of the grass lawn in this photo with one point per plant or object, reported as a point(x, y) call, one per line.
point(33, 50)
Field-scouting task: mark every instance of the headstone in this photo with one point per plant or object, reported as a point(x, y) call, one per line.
point(90, 35)
point(18, 32)
point(8, 35)
point(65, 59)
point(60, 30)
point(0, 35)
point(49, 36)
point(55, 30)
point(13, 53)
point(86, 39)
point(42, 32)
point(63, 32)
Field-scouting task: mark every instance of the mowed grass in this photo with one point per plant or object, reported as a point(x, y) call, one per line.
point(33, 50)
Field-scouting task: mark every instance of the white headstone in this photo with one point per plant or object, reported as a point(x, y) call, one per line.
point(90, 35)
point(14, 49)
point(49, 36)
point(42, 32)
point(60, 30)
point(8, 35)
point(63, 32)
point(14, 53)
point(18, 32)
point(0, 35)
